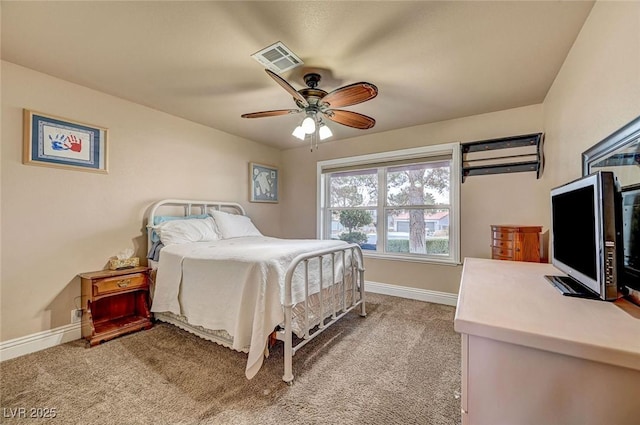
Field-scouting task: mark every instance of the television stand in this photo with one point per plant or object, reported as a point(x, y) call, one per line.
point(569, 287)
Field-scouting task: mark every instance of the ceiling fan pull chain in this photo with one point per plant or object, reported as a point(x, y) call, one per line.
point(316, 134)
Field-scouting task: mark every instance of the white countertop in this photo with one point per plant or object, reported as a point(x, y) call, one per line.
point(512, 302)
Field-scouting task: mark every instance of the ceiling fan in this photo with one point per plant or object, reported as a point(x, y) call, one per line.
point(317, 103)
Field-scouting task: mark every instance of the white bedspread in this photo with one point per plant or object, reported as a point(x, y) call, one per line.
point(236, 285)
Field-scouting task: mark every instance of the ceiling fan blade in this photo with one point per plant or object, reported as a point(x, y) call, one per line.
point(289, 88)
point(271, 113)
point(351, 95)
point(350, 119)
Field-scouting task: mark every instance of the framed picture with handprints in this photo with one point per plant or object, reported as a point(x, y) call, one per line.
point(51, 141)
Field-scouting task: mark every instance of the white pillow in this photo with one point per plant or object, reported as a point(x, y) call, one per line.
point(185, 231)
point(234, 225)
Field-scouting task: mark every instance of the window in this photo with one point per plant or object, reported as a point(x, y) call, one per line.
point(401, 204)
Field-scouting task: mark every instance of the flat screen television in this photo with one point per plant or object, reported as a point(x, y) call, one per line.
point(630, 237)
point(585, 236)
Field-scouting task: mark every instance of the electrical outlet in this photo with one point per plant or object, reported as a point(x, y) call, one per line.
point(76, 315)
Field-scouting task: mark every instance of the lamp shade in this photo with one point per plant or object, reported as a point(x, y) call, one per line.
point(309, 125)
point(325, 132)
point(299, 133)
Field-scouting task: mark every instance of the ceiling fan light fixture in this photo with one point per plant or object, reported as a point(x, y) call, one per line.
point(309, 125)
point(325, 132)
point(318, 104)
point(299, 133)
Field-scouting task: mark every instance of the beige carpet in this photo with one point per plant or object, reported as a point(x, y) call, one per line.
point(399, 365)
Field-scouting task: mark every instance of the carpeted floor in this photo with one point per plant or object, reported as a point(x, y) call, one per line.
point(399, 365)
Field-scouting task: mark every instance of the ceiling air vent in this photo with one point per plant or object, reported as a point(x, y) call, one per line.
point(277, 58)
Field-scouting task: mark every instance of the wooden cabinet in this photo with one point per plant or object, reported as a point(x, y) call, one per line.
point(114, 302)
point(515, 243)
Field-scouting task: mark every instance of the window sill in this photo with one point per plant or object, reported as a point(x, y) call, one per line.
point(411, 258)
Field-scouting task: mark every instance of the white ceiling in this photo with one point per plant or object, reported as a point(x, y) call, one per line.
point(431, 61)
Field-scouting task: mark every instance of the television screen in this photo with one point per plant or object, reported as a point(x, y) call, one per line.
point(585, 236)
point(574, 227)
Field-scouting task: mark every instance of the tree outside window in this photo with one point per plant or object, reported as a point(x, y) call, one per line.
point(416, 206)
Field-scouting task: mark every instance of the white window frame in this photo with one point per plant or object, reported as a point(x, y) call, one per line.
point(422, 153)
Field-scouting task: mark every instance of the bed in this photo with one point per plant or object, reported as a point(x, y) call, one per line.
point(217, 276)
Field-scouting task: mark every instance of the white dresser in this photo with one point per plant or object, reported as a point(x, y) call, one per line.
point(533, 356)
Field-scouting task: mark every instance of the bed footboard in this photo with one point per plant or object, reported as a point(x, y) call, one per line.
point(350, 257)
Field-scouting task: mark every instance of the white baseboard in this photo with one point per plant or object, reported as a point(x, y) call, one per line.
point(437, 297)
point(39, 341)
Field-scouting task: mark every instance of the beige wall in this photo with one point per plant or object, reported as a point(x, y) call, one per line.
point(58, 223)
point(485, 200)
point(596, 92)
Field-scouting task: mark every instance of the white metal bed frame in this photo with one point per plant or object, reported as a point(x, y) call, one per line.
point(356, 263)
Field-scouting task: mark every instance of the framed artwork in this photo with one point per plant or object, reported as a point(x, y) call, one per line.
point(263, 182)
point(51, 141)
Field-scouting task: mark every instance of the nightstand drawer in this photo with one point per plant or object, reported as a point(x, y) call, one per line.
point(119, 284)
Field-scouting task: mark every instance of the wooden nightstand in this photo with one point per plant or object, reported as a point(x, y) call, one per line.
point(114, 302)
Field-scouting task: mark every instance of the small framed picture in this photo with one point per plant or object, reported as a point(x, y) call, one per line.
point(263, 183)
point(51, 141)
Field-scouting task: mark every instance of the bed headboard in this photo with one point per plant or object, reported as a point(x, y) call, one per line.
point(185, 207)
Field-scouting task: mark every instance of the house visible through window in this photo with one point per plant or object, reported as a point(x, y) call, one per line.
point(401, 204)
